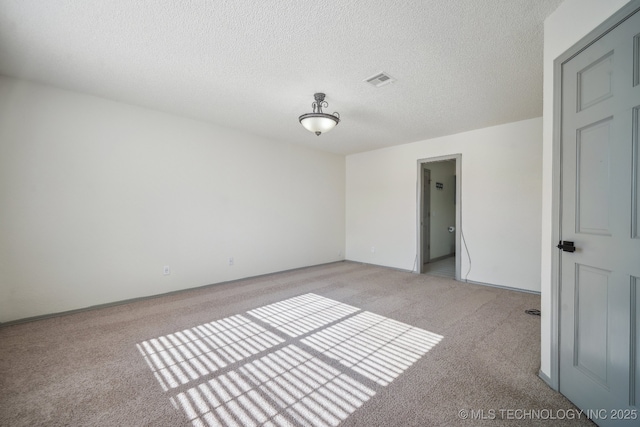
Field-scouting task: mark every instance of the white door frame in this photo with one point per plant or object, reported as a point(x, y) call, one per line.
point(458, 225)
point(425, 221)
point(556, 232)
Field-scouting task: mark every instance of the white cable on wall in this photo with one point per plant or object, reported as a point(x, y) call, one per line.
point(467, 250)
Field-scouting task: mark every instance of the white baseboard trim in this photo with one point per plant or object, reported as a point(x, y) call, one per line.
point(546, 379)
point(403, 270)
point(147, 297)
point(471, 282)
point(126, 301)
point(440, 258)
point(509, 288)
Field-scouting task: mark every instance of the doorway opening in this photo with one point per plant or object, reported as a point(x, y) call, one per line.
point(439, 216)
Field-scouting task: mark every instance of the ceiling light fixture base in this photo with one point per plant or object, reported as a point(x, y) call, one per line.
point(317, 121)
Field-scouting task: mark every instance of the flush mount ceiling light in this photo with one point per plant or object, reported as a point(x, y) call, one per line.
point(319, 122)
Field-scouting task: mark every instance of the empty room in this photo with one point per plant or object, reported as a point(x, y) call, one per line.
point(320, 213)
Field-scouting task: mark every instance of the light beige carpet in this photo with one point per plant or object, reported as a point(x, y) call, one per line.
point(340, 344)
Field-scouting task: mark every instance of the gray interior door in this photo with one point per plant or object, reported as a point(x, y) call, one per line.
point(599, 295)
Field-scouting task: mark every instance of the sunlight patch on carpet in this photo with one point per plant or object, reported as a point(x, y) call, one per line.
point(303, 314)
point(184, 356)
point(287, 382)
point(376, 347)
point(307, 360)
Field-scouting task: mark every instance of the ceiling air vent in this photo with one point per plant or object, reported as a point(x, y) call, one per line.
point(380, 79)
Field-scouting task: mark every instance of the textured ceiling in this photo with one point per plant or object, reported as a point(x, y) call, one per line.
point(255, 65)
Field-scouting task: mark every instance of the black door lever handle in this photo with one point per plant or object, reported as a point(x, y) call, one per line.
point(566, 246)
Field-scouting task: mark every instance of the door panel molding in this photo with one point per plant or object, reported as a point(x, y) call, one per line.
point(591, 302)
point(634, 344)
point(636, 60)
point(600, 69)
point(593, 142)
point(635, 184)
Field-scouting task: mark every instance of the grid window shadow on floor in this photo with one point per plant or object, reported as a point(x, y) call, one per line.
point(307, 360)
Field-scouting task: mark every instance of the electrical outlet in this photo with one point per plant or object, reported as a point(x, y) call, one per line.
point(340, 254)
point(231, 261)
point(373, 249)
point(166, 270)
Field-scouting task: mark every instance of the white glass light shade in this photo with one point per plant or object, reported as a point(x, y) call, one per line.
point(318, 122)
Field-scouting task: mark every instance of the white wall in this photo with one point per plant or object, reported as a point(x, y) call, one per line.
point(501, 176)
point(443, 208)
point(97, 196)
point(573, 20)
